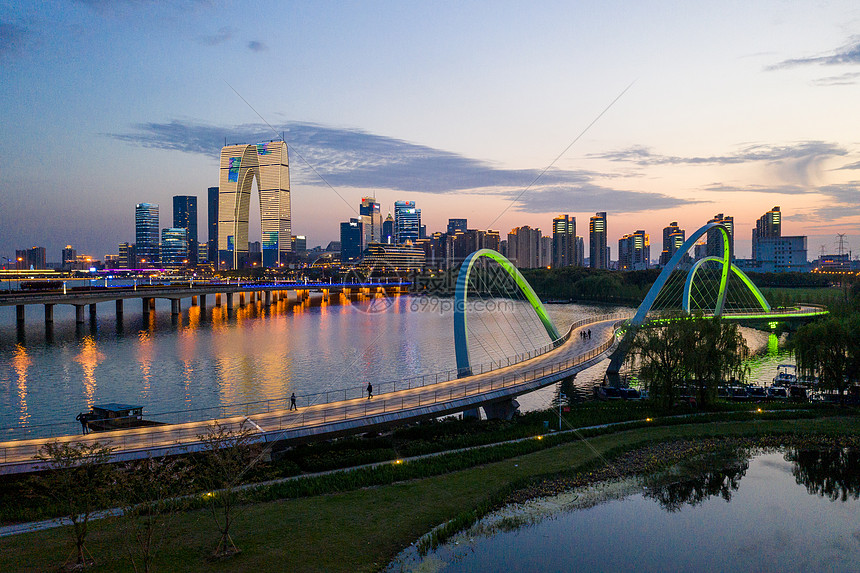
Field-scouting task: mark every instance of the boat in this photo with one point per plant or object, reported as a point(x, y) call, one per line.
point(115, 416)
point(786, 375)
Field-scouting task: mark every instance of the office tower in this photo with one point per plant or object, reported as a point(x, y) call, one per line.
point(69, 256)
point(146, 235)
point(212, 243)
point(33, 258)
point(185, 217)
point(524, 247)
point(407, 222)
point(781, 254)
point(240, 164)
point(371, 221)
point(202, 254)
point(388, 229)
point(455, 225)
point(579, 252)
point(673, 237)
point(126, 256)
point(634, 251)
point(350, 241)
point(769, 225)
point(715, 237)
point(597, 248)
point(545, 252)
point(563, 241)
point(174, 247)
point(300, 243)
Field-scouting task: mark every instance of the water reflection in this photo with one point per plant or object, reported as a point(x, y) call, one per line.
point(89, 357)
point(695, 490)
point(834, 474)
point(21, 362)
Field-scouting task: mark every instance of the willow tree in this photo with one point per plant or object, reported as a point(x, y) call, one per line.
point(829, 350)
point(660, 352)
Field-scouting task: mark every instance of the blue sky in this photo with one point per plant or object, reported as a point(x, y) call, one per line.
point(457, 105)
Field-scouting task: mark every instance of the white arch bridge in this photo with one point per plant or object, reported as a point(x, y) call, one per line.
point(492, 385)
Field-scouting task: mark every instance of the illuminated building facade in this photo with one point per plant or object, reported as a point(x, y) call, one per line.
point(634, 251)
point(185, 217)
point(563, 241)
point(174, 247)
point(371, 221)
point(127, 259)
point(768, 226)
point(715, 238)
point(212, 224)
point(146, 234)
point(598, 251)
point(380, 257)
point(240, 164)
point(350, 241)
point(407, 222)
point(673, 237)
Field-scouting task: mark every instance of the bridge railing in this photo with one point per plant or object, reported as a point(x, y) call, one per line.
point(178, 436)
point(306, 400)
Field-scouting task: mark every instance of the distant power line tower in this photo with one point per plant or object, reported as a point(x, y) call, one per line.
point(841, 244)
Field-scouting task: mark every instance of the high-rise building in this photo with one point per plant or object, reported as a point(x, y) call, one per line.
point(579, 252)
point(524, 247)
point(455, 225)
point(185, 217)
point(634, 251)
point(781, 254)
point(545, 251)
point(69, 257)
point(32, 258)
point(563, 241)
point(174, 247)
point(127, 259)
point(407, 222)
point(673, 238)
point(212, 221)
point(350, 241)
point(768, 226)
point(202, 254)
point(300, 243)
point(598, 251)
point(146, 235)
point(371, 221)
point(397, 258)
point(388, 230)
point(240, 164)
point(715, 237)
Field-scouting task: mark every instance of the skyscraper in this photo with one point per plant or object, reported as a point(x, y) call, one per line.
point(715, 237)
point(768, 226)
point(563, 241)
point(146, 234)
point(33, 258)
point(70, 255)
point(240, 165)
point(598, 250)
point(371, 221)
point(127, 259)
point(388, 230)
point(185, 217)
point(350, 241)
point(673, 237)
point(407, 222)
point(634, 251)
point(213, 226)
point(174, 247)
point(455, 225)
point(524, 247)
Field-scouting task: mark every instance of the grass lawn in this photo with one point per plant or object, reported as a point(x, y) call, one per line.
point(360, 530)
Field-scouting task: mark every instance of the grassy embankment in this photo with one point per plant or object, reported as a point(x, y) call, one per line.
point(363, 528)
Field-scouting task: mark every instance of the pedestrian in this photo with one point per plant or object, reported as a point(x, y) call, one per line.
point(589, 334)
point(369, 390)
point(293, 402)
point(83, 418)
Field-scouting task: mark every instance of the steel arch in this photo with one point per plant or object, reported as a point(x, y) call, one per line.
point(461, 338)
point(685, 303)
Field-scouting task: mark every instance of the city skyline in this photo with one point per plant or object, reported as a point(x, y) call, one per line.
point(733, 110)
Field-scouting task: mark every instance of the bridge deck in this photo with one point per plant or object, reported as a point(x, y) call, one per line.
point(349, 416)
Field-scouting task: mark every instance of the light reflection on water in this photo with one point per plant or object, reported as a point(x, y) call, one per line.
point(203, 358)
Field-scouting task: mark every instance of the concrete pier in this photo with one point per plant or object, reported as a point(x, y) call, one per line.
point(79, 313)
point(193, 301)
point(217, 299)
point(175, 306)
point(92, 311)
point(19, 312)
point(268, 298)
point(145, 302)
point(119, 307)
point(229, 296)
point(49, 313)
point(202, 300)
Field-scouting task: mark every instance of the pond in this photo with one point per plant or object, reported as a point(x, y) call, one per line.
point(790, 510)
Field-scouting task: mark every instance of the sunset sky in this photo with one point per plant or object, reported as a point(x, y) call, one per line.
point(459, 106)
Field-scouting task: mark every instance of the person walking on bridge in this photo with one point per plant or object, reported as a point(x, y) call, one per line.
point(293, 402)
point(369, 390)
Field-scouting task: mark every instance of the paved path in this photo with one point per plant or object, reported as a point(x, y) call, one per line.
point(349, 416)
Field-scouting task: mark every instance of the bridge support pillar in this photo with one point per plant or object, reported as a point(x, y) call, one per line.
point(19, 313)
point(119, 307)
point(268, 298)
point(93, 311)
point(217, 299)
point(202, 301)
point(241, 299)
point(49, 313)
point(79, 313)
point(503, 410)
point(194, 300)
point(229, 296)
point(175, 306)
point(145, 302)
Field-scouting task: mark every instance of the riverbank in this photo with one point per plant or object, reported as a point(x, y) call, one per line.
point(363, 529)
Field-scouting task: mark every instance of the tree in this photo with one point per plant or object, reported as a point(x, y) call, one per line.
point(150, 493)
point(830, 350)
point(660, 351)
point(230, 452)
point(80, 481)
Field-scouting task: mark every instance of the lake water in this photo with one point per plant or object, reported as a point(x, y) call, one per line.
point(176, 366)
point(786, 511)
